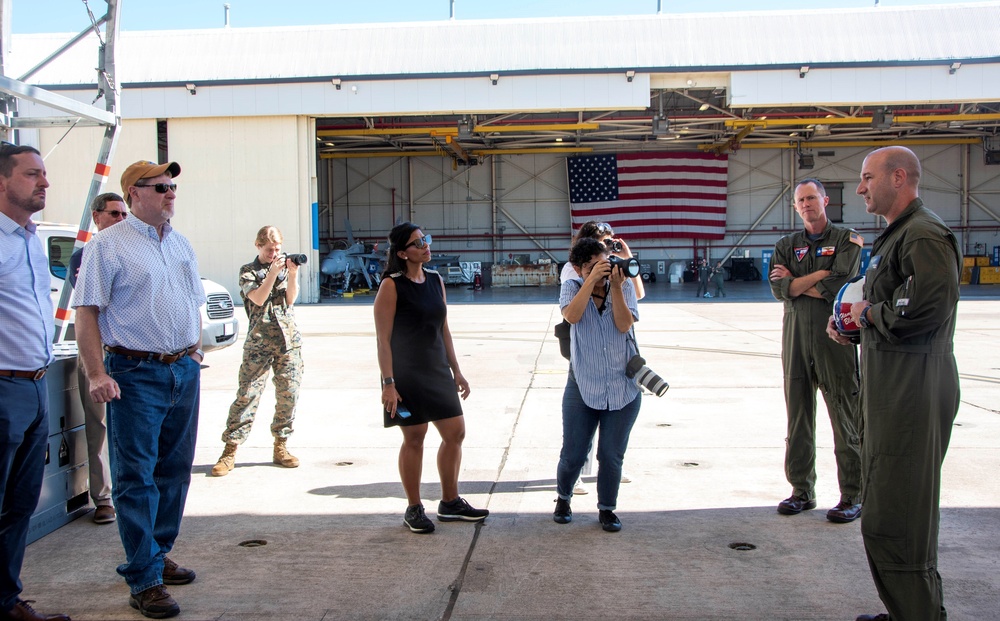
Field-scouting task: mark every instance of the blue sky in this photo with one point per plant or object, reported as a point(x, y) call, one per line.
point(70, 15)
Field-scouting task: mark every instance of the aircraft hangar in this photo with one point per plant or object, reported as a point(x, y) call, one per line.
point(466, 127)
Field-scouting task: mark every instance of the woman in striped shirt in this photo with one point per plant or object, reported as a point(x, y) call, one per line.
point(600, 305)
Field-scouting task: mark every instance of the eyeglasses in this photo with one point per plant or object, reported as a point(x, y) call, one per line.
point(160, 188)
point(114, 213)
point(420, 242)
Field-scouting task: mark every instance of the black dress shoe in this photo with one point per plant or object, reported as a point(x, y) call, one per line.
point(563, 514)
point(879, 617)
point(844, 512)
point(609, 521)
point(22, 611)
point(794, 505)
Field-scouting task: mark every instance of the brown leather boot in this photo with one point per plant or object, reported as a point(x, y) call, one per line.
point(281, 455)
point(227, 462)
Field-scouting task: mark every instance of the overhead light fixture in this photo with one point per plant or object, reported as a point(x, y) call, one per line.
point(354, 89)
point(803, 70)
point(191, 88)
point(954, 68)
point(465, 128)
point(806, 160)
point(955, 124)
point(882, 119)
point(630, 74)
point(820, 129)
point(336, 82)
point(661, 124)
point(691, 82)
point(704, 107)
point(494, 78)
point(559, 139)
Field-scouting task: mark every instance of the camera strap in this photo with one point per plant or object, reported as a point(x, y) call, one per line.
point(631, 337)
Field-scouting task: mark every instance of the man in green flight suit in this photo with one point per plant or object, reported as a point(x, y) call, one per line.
point(907, 324)
point(810, 267)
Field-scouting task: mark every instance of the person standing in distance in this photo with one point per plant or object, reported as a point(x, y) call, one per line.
point(810, 267)
point(907, 324)
point(421, 379)
point(106, 209)
point(268, 286)
point(139, 295)
point(25, 353)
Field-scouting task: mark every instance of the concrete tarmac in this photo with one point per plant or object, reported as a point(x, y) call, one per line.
point(701, 537)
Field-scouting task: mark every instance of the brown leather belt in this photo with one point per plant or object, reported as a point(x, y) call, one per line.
point(151, 355)
point(32, 375)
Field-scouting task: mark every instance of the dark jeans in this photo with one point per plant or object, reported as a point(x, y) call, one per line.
point(151, 434)
point(24, 429)
point(580, 422)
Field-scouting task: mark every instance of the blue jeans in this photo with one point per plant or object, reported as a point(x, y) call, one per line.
point(24, 431)
point(579, 425)
point(151, 436)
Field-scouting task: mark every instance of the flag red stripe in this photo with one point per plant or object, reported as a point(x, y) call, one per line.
point(693, 170)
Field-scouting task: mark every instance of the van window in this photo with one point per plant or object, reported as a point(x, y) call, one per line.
point(60, 250)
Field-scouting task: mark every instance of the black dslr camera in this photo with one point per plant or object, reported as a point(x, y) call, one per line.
point(629, 266)
point(645, 377)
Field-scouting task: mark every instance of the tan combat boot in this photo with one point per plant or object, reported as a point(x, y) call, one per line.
point(281, 455)
point(227, 462)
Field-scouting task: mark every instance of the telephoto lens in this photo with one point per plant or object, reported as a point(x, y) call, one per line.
point(614, 245)
point(646, 377)
point(630, 265)
point(297, 259)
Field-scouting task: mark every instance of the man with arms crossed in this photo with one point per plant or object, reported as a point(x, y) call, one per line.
point(25, 353)
point(810, 267)
point(909, 384)
point(139, 295)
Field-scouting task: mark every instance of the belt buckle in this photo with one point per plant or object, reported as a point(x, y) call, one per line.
point(40, 373)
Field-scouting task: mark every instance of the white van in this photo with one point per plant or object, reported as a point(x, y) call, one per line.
point(219, 326)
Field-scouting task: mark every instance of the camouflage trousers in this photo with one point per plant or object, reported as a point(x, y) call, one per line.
point(259, 357)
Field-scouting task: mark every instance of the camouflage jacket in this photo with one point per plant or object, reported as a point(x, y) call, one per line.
point(275, 319)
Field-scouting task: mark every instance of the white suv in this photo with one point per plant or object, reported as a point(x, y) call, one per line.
point(219, 325)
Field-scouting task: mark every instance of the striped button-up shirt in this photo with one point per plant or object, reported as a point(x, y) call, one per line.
point(27, 330)
point(147, 290)
point(599, 352)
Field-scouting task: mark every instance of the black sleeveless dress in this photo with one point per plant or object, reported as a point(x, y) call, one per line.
point(419, 361)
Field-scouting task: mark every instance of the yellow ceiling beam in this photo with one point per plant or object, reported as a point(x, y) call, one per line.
point(861, 120)
point(533, 151)
point(552, 127)
point(453, 130)
point(347, 156)
point(821, 144)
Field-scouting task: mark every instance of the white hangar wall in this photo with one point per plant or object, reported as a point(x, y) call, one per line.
point(237, 175)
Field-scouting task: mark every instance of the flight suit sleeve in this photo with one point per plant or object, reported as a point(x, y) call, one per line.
point(928, 294)
point(779, 288)
point(845, 264)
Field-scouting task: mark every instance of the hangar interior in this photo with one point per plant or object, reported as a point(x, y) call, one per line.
point(465, 127)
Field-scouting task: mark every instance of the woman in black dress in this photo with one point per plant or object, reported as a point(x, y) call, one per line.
point(421, 380)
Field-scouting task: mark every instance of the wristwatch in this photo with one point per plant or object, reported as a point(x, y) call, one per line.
point(863, 318)
point(200, 352)
point(387, 381)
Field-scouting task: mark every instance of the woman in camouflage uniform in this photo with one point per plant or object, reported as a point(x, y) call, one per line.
point(268, 287)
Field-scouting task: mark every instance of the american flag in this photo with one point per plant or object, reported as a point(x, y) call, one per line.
point(651, 195)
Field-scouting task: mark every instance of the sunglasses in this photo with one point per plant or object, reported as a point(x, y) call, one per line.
point(114, 213)
point(420, 242)
point(160, 188)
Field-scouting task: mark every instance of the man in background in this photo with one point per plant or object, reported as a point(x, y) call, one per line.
point(106, 209)
point(809, 268)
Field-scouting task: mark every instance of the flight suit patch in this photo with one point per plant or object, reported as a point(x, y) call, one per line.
point(800, 253)
point(826, 251)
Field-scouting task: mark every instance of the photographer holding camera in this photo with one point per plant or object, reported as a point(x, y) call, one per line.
point(600, 304)
point(268, 286)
